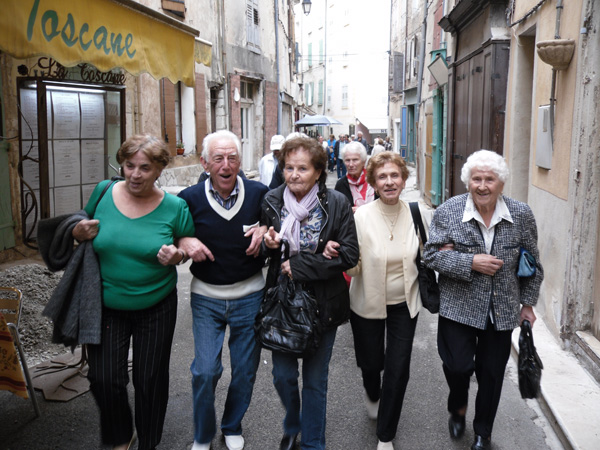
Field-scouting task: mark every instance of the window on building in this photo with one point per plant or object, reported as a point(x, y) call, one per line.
point(246, 90)
point(176, 7)
point(310, 55)
point(345, 97)
point(320, 98)
point(398, 72)
point(321, 55)
point(329, 104)
point(252, 25)
point(310, 89)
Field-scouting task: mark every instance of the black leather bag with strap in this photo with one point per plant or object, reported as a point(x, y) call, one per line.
point(428, 285)
point(530, 364)
point(288, 320)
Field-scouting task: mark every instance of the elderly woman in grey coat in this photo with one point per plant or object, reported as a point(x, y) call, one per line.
point(474, 243)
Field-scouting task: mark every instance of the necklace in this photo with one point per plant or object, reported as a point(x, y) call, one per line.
point(391, 223)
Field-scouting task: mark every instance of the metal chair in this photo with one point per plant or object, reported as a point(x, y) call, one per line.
point(10, 306)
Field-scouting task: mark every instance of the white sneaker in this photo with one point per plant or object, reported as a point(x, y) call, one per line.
point(372, 408)
point(234, 442)
point(385, 446)
point(197, 446)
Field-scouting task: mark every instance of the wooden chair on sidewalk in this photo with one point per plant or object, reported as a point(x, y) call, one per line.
point(10, 307)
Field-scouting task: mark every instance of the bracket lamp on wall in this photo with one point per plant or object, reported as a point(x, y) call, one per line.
point(236, 95)
point(306, 5)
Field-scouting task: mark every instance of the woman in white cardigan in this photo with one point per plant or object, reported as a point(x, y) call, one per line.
point(384, 294)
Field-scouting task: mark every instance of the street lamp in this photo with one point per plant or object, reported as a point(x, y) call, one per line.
point(306, 4)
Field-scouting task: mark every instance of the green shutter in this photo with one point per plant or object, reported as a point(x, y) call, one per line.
point(320, 101)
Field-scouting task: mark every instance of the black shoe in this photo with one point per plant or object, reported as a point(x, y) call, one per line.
point(481, 443)
point(288, 442)
point(456, 425)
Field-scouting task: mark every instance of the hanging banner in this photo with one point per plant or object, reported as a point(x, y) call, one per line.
point(104, 33)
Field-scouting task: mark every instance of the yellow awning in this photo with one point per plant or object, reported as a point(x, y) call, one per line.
point(203, 52)
point(104, 33)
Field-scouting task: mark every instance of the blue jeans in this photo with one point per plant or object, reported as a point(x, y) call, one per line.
point(211, 317)
point(315, 371)
point(341, 168)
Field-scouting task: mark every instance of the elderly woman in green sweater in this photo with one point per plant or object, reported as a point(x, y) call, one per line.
point(134, 230)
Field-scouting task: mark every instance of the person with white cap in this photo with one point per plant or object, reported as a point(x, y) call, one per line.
point(267, 163)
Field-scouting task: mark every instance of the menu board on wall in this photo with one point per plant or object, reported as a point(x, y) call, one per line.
point(92, 160)
point(76, 159)
point(67, 200)
point(92, 116)
point(66, 115)
point(67, 165)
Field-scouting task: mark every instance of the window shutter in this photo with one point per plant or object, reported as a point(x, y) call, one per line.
point(320, 98)
point(252, 24)
point(321, 55)
point(398, 74)
point(256, 20)
point(310, 54)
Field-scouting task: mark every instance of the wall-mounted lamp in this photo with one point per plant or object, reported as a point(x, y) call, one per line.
point(306, 5)
point(236, 94)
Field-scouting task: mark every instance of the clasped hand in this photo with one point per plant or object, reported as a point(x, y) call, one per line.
point(86, 230)
point(169, 255)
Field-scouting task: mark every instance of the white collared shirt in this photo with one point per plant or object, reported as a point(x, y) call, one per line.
point(501, 212)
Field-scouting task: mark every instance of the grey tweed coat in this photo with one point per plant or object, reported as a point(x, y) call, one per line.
point(467, 295)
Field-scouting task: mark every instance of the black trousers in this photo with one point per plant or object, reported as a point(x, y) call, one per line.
point(465, 350)
point(152, 332)
point(385, 344)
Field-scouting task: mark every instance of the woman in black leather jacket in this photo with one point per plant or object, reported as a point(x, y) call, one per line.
point(308, 215)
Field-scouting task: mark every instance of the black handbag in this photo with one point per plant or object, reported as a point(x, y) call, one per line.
point(530, 364)
point(428, 285)
point(288, 320)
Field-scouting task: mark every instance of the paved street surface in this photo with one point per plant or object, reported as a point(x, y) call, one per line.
point(423, 425)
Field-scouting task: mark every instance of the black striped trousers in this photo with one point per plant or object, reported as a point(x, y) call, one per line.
point(152, 332)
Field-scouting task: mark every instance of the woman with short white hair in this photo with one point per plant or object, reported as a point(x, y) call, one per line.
point(354, 185)
point(475, 242)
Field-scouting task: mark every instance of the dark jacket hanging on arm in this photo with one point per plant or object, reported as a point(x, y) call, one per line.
point(75, 306)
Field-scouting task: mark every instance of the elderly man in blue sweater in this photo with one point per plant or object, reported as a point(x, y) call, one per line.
point(227, 287)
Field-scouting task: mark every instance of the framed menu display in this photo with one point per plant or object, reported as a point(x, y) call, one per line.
point(67, 140)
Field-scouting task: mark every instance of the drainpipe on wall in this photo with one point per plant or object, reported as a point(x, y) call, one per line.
point(559, 8)
point(279, 107)
point(224, 65)
point(421, 61)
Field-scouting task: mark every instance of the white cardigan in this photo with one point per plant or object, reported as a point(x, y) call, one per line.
point(367, 288)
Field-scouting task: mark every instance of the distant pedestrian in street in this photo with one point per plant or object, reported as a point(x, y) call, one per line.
point(377, 148)
point(354, 185)
point(308, 215)
point(363, 141)
point(330, 154)
point(384, 294)
point(227, 287)
point(474, 244)
point(338, 149)
point(388, 144)
point(267, 164)
point(134, 229)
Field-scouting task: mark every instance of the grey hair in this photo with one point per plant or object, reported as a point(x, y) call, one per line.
point(354, 147)
point(295, 134)
point(484, 159)
point(221, 134)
